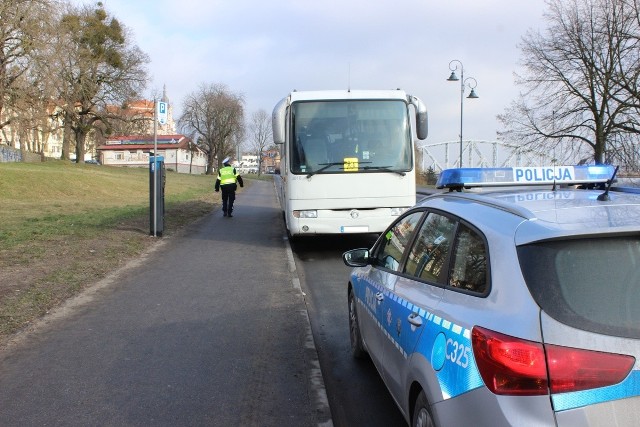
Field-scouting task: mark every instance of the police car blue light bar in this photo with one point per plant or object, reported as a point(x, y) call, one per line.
point(500, 177)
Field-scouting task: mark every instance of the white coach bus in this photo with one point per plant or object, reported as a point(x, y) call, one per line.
point(347, 159)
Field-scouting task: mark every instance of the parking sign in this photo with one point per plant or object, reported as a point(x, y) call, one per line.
point(162, 113)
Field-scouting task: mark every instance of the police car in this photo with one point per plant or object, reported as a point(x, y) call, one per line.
point(512, 299)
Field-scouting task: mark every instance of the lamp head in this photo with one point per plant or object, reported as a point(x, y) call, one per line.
point(453, 77)
point(473, 94)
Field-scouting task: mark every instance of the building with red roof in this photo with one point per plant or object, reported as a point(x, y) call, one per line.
point(179, 152)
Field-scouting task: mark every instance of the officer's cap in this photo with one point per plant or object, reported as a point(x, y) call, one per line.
point(226, 160)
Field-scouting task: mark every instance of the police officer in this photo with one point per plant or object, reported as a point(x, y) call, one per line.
point(227, 180)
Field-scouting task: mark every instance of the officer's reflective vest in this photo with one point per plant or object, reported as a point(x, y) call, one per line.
point(227, 176)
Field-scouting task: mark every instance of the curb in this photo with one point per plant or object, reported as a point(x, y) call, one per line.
point(318, 392)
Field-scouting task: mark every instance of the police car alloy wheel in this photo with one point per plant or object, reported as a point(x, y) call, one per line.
point(421, 414)
point(357, 346)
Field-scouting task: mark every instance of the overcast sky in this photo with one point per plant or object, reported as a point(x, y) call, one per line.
point(263, 49)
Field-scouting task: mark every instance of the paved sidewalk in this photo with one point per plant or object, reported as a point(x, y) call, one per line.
point(209, 329)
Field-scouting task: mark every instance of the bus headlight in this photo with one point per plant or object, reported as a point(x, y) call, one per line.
point(397, 211)
point(305, 214)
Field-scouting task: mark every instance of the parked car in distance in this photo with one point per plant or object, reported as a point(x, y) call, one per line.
point(513, 299)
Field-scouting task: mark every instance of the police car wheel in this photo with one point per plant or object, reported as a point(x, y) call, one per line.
point(357, 346)
point(421, 413)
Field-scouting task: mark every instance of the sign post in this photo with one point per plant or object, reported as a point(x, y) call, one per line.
point(160, 116)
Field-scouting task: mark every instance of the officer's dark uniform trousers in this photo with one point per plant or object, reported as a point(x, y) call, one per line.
point(228, 197)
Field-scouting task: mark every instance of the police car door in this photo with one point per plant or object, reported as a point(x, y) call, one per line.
point(417, 293)
point(381, 281)
point(467, 285)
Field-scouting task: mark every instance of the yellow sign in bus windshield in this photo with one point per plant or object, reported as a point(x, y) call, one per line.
point(350, 164)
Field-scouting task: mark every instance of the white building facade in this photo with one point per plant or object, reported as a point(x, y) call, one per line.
point(180, 153)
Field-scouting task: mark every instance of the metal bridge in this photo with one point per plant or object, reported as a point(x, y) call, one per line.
point(479, 154)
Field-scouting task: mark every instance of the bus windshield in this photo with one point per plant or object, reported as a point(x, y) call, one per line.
point(350, 136)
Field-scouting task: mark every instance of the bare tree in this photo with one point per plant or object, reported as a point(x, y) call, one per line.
point(30, 122)
point(128, 119)
point(34, 113)
point(576, 100)
point(96, 66)
point(23, 31)
point(261, 134)
point(214, 116)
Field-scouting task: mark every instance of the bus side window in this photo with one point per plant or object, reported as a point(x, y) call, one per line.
point(297, 155)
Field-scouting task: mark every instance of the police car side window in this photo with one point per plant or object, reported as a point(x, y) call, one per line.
point(469, 263)
point(395, 240)
point(428, 255)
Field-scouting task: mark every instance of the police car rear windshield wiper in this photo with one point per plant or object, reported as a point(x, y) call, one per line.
point(387, 168)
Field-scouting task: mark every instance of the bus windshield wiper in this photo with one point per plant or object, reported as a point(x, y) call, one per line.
point(387, 168)
point(324, 167)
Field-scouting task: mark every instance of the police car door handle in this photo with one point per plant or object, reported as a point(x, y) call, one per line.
point(380, 296)
point(415, 319)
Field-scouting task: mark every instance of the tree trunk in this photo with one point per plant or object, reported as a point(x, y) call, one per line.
point(210, 160)
point(599, 150)
point(80, 146)
point(66, 138)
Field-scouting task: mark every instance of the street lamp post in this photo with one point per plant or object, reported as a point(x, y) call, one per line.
point(453, 66)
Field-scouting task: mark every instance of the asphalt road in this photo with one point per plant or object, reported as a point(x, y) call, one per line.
point(356, 393)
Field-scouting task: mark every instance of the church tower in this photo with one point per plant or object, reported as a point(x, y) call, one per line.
point(170, 127)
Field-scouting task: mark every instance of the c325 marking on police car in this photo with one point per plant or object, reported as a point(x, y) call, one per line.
point(457, 353)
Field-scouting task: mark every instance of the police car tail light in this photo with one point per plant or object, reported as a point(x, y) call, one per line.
point(572, 369)
point(510, 365)
point(513, 366)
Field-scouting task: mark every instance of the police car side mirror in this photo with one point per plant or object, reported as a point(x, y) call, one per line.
point(356, 258)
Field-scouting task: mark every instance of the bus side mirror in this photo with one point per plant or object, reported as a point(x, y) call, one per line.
point(278, 121)
point(422, 127)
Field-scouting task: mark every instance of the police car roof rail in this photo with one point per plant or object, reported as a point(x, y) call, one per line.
point(481, 198)
point(631, 190)
point(458, 179)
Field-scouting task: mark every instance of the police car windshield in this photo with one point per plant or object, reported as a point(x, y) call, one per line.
point(591, 284)
point(350, 136)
